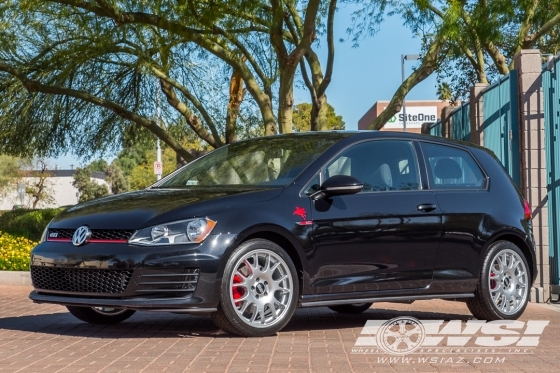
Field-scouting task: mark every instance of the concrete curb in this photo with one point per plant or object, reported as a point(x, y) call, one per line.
point(15, 278)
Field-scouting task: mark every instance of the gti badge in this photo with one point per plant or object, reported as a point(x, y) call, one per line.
point(81, 236)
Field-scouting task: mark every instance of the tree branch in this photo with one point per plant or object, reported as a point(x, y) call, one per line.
point(429, 64)
point(263, 100)
point(214, 140)
point(37, 86)
point(330, 43)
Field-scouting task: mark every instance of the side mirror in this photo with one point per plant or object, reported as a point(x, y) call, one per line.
point(338, 185)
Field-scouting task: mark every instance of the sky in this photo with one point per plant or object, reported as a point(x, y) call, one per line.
point(361, 76)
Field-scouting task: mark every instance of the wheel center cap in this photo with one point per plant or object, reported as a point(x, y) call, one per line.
point(259, 288)
point(506, 282)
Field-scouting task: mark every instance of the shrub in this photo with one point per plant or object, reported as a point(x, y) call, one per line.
point(27, 223)
point(14, 252)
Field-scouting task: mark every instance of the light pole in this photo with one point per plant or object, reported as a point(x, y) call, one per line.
point(408, 57)
point(21, 193)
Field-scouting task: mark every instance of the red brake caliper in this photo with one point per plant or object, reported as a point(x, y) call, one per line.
point(492, 282)
point(237, 291)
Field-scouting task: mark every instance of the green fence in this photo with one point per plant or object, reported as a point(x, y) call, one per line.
point(501, 123)
point(435, 129)
point(551, 94)
point(461, 123)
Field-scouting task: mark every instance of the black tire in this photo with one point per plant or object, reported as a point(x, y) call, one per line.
point(481, 306)
point(227, 317)
point(93, 316)
point(354, 308)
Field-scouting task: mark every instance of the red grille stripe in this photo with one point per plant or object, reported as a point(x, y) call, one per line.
point(107, 241)
point(59, 239)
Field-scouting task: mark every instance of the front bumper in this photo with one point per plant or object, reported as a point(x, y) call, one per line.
point(175, 278)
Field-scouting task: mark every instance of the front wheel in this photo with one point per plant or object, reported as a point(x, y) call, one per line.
point(354, 308)
point(100, 315)
point(503, 288)
point(260, 290)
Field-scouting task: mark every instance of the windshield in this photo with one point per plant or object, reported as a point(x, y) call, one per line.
point(266, 161)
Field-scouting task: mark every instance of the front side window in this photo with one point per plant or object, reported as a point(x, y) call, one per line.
point(381, 165)
point(452, 168)
point(266, 161)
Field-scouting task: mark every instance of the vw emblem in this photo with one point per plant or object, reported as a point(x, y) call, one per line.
point(81, 236)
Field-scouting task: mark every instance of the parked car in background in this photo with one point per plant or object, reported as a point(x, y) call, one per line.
point(252, 230)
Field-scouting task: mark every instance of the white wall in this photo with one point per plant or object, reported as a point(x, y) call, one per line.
point(62, 191)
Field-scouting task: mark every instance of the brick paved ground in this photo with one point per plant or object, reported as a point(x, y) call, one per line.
point(46, 338)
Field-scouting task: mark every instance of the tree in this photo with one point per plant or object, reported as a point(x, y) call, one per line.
point(9, 171)
point(87, 188)
point(473, 41)
point(39, 187)
point(116, 179)
point(143, 175)
point(302, 118)
point(63, 60)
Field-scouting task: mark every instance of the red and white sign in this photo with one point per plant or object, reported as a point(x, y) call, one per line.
point(158, 168)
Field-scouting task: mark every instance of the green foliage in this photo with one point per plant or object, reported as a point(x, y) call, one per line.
point(27, 223)
point(116, 179)
point(9, 168)
point(143, 176)
point(99, 165)
point(106, 73)
point(302, 118)
point(88, 189)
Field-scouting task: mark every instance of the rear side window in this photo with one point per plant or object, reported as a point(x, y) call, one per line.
point(452, 168)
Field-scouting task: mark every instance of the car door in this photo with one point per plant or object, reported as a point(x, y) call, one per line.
point(461, 189)
point(385, 237)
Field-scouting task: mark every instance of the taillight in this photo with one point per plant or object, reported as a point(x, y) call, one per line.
point(527, 210)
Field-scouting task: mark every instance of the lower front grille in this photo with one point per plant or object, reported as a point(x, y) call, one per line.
point(167, 282)
point(81, 280)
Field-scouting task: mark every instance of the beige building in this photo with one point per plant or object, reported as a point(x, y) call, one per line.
point(418, 112)
point(59, 184)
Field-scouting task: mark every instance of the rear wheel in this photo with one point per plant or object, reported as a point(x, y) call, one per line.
point(259, 290)
point(503, 288)
point(100, 315)
point(354, 308)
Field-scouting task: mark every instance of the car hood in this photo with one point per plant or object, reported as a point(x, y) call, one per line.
point(148, 207)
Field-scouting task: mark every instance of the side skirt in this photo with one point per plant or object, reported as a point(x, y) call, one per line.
point(307, 302)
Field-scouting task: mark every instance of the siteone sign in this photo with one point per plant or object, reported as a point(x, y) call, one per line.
point(415, 117)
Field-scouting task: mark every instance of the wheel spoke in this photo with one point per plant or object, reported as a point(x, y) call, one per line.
point(267, 264)
point(282, 278)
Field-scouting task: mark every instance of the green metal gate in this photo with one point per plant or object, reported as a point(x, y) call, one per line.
point(435, 129)
point(461, 123)
point(501, 123)
point(551, 94)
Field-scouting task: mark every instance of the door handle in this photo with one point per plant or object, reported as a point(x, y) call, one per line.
point(426, 207)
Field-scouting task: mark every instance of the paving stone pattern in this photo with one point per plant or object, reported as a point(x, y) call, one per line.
point(46, 338)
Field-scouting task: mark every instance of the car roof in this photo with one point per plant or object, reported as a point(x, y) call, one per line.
point(367, 134)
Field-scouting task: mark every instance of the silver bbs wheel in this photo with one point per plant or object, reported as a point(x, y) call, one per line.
point(261, 288)
point(508, 281)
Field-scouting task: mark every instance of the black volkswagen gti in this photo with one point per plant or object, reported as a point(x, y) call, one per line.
point(257, 228)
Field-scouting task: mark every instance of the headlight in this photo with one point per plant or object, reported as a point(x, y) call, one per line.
point(44, 235)
point(178, 232)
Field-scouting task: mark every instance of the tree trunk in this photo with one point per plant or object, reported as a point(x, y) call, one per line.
point(236, 94)
point(319, 109)
point(286, 104)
